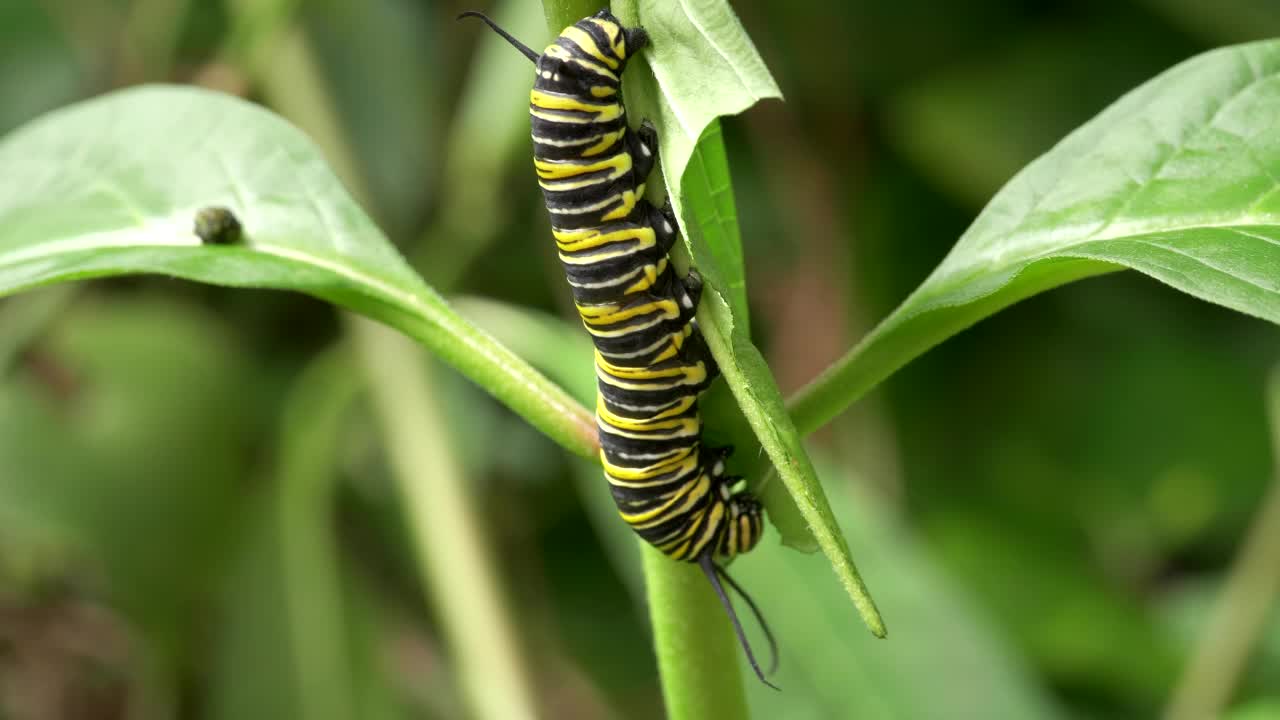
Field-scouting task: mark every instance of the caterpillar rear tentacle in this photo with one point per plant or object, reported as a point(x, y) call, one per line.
point(651, 360)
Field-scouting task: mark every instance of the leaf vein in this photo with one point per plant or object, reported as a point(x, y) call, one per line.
point(1178, 151)
point(1151, 242)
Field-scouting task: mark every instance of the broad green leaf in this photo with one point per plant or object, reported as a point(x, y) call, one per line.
point(700, 66)
point(111, 186)
point(704, 66)
point(1178, 180)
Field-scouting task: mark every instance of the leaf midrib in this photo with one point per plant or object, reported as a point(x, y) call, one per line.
point(53, 249)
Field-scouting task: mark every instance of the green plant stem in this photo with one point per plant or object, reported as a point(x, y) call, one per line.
point(697, 656)
point(455, 560)
point(313, 422)
point(1240, 614)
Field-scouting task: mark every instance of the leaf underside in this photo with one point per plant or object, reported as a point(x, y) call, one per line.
point(111, 186)
point(1179, 179)
point(703, 66)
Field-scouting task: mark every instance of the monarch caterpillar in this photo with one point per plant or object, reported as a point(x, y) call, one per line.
point(651, 360)
point(217, 226)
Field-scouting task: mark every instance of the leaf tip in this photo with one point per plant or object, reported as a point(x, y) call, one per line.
point(871, 616)
point(862, 601)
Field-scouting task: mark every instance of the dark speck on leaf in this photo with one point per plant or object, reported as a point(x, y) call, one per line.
point(217, 226)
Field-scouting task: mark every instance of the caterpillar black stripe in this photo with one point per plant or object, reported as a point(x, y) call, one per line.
point(651, 361)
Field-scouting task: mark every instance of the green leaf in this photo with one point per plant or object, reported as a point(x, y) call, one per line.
point(480, 627)
point(111, 187)
point(1178, 180)
point(707, 192)
point(704, 66)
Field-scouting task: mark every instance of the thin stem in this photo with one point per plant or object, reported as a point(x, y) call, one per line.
point(456, 562)
point(312, 580)
point(1241, 611)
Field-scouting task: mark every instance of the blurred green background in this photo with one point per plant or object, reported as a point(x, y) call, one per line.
point(1045, 507)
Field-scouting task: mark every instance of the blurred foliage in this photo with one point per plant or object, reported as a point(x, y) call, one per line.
point(1073, 475)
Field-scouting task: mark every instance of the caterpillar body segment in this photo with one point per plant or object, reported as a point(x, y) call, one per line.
point(651, 360)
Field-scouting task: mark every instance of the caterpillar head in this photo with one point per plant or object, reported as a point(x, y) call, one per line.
point(744, 515)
